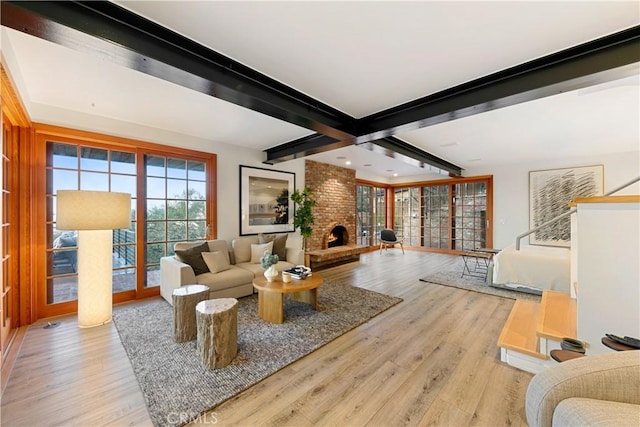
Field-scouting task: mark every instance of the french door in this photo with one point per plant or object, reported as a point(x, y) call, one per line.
point(170, 202)
point(451, 216)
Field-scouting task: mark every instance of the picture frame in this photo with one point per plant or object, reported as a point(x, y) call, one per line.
point(263, 193)
point(551, 191)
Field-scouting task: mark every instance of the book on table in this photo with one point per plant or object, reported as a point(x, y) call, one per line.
point(299, 272)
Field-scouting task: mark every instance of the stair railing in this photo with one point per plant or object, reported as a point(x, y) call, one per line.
point(569, 212)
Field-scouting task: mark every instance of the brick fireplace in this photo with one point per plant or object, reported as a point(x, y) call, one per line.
point(334, 189)
point(334, 231)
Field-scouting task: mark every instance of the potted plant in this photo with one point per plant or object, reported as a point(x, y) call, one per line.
point(268, 262)
point(303, 217)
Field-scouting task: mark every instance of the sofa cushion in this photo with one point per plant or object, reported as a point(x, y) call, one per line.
point(230, 278)
point(257, 251)
point(220, 245)
point(579, 411)
point(193, 257)
point(242, 248)
point(279, 243)
point(217, 261)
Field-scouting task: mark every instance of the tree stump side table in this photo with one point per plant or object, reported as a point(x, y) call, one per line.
point(185, 299)
point(217, 321)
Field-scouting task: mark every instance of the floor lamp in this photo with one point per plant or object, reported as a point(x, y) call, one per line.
point(95, 214)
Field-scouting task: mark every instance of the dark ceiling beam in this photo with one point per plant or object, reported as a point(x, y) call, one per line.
point(401, 150)
point(312, 144)
point(109, 31)
point(608, 58)
point(390, 147)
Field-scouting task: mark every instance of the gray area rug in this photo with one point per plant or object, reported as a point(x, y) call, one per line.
point(176, 386)
point(452, 276)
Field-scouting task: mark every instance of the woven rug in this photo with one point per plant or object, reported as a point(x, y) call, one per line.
point(451, 275)
point(176, 386)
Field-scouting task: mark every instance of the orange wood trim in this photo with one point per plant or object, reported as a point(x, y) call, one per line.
point(391, 207)
point(371, 183)
point(606, 199)
point(445, 181)
point(112, 141)
point(44, 133)
point(489, 230)
point(212, 187)
point(12, 105)
point(25, 207)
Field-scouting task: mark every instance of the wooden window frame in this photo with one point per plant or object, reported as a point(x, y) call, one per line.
point(44, 133)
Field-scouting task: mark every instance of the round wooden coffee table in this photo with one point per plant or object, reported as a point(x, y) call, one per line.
point(271, 295)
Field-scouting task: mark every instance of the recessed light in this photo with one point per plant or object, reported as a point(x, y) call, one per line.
point(341, 157)
point(348, 162)
point(389, 170)
point(367, 164)
point(395, 174)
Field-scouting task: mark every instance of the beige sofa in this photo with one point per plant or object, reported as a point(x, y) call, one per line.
point(598, 390)
point(234, 281)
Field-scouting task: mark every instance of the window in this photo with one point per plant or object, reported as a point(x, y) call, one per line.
point(171, 201)
point(73, 167)
point(452, 215)
point(471, 216)
point(370, 214)
point(435, 216)
point(175, 208)
point(407, 219)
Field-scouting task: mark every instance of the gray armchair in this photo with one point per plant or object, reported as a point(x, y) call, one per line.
point(598, 390)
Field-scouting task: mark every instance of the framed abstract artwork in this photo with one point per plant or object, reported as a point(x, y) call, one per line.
point(551, 191)
point(265, 206)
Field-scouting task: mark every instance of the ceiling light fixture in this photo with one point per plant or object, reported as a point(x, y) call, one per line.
point(348, 162)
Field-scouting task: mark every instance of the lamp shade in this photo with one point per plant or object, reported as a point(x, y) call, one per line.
point(92, 210)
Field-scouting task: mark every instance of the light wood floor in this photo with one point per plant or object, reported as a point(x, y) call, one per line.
point(430, 360)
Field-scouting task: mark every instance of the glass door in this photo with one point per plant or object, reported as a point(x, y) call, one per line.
point(175, 208)
point(471, 222)
point(73, 167)
point(435, 217)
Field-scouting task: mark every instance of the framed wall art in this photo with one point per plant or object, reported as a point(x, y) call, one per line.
point(265, 206)
point(551, 191)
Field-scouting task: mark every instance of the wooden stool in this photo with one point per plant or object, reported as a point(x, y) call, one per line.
point(217, 321)
point(185, 299)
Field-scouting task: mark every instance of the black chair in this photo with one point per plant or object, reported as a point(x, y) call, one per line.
point(389, 238)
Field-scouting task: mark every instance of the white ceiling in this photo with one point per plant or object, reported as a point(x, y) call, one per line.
point(359, 57)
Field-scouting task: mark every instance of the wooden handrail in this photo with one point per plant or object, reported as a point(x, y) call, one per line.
point(569, 212)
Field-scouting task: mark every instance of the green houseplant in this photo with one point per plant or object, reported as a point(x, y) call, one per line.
point(303, 217)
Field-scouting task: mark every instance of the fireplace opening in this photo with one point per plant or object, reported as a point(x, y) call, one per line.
point(337, 236)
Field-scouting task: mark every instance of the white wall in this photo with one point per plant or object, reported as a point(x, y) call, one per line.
point(229, 160)
point(511, 188)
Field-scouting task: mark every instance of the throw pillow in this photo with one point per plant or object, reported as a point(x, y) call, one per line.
point(193, 257)
point(279, 243)
point(216, 261)
point(257, 251)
